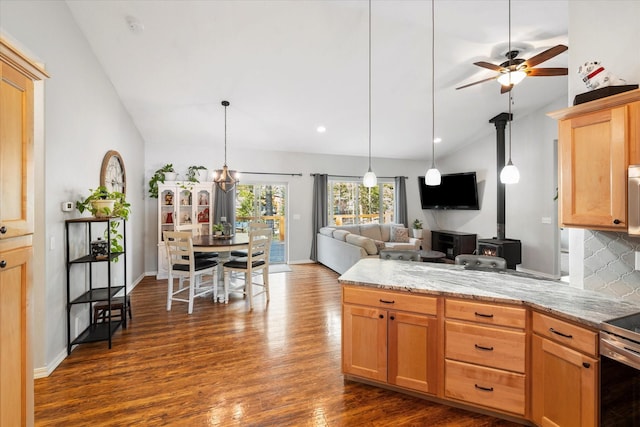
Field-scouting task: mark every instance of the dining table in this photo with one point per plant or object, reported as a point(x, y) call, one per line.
point(222, 245)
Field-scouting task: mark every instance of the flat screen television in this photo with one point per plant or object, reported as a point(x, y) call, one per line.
point(456, 191)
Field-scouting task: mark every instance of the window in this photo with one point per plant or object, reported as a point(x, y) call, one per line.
point(350, 202)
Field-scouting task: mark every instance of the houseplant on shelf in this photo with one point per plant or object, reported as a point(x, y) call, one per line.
point(197, 174)
point(167, 173)
point(416, 229)
point(104, 204)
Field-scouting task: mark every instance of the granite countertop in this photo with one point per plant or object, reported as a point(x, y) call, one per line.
point(589, 308)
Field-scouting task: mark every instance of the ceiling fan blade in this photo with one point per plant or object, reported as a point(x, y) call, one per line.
point(489, 65)
point(548, 72)
point(546, 55)
point(479, 81)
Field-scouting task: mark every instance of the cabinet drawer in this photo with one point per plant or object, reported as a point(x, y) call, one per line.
point(485, 386)
point(498, 348)
point(489, 314)
point(567, 334)
point(390, 300)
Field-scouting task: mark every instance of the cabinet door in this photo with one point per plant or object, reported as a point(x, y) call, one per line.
point(412, 351)
point(16, 372)
point(563, 386)
point(593, 170)
point(364, 342)
point(16, 167)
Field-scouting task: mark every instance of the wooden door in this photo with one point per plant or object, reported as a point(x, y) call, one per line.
point(364, 342)
point(412, 351)
point(593, 170)
point(564, 386)
point(16, 372)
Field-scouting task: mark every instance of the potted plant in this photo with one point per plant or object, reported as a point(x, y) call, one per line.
point(166, 172)
point(101, 203)
point(197, 174)
point(416, 229)
point(218, 229)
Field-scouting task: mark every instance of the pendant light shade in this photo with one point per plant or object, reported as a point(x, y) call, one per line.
point(432, 177)
point(225, 178)
point(369, 180)
point(510, 173)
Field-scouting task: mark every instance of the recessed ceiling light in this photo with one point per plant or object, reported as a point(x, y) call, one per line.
point(134, 25)
point(321, 129)
point(437, 140)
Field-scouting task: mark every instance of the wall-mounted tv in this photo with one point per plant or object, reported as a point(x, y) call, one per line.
point(456, 191)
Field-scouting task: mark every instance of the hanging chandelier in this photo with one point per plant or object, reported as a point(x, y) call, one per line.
point(433, 177)
point(224, 178)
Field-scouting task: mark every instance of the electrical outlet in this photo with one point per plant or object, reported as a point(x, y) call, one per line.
point(67, 206)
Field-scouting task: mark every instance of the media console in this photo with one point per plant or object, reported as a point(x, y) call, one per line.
point(453, 243)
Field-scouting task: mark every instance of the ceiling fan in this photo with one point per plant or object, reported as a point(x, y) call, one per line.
point(514, 69)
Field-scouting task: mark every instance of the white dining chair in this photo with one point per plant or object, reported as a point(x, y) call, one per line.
point(256, 262)
point(196, 276)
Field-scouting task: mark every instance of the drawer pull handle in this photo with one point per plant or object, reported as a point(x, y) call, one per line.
point(392, 317)
point(483, 388)
point(387, 302)
point(480, 347)
point(3, 264)
point(483, 315)
point(381, 316)
point(560, 333)
point(3, 229)
point(586, 364)
point(616, 221)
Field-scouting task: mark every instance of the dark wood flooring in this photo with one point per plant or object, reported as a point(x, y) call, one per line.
point(223, 366)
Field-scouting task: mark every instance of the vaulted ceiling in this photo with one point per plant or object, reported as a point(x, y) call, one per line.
point(289, 66)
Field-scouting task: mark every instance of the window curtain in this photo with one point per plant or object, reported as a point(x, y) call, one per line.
point(319, 210)
point(224, 206)
point(400, 213)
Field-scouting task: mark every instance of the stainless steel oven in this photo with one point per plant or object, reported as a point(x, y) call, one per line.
point(620, 372)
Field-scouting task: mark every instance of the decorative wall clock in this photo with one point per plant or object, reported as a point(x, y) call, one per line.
point(112, 174)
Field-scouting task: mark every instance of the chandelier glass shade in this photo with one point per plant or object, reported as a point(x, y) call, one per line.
point(512, 78)
point(225, 178)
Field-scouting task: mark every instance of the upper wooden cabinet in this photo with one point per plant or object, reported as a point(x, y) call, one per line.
point(598, 140)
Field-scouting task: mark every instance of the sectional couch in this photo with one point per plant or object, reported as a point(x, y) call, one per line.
point(340, 247)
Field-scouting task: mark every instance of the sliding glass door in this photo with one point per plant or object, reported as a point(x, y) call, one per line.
point(264, 202)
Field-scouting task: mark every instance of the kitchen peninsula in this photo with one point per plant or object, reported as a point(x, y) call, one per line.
point(502, 342)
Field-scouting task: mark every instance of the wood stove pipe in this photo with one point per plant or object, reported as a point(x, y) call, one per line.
point(500, 121)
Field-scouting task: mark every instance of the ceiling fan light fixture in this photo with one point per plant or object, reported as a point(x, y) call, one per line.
point(512, 78)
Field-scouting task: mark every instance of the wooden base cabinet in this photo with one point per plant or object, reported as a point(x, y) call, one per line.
point(485, 355)
point(565, 380)
point(385, 343)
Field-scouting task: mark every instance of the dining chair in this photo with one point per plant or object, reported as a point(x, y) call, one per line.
point(196, 230)
point(256, 261)
point(196, 276)
point(253, 225)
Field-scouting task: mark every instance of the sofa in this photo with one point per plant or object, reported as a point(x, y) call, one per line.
point(340, 247)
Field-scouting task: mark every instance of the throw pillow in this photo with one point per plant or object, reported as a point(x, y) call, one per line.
point(364, 242)
point(379, 244)
point(400, 234)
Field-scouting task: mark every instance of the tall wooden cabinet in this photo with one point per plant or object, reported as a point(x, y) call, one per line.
point(182, 203)
point(598, 140)
point(16, 230)
point(390, 337)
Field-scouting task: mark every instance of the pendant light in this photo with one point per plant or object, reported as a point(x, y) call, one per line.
point(225, 179)
point(432, 176)
point(510, 173)
point(369, 180)
point(511, 77)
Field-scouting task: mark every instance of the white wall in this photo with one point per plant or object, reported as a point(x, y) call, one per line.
point(83, 119)
point(527, 202)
